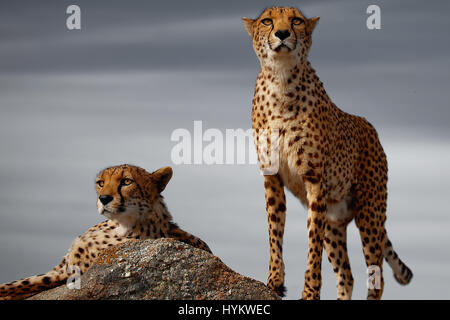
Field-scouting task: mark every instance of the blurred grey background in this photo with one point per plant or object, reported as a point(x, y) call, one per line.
point(74, 102)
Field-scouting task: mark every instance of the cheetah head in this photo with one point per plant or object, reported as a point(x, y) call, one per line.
point(280, 33)
point(126, 193)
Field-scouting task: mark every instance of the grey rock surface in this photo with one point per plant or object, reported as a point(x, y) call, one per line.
point(160, 269)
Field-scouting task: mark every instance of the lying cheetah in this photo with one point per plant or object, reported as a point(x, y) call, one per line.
point(130, 198)
point(332, 161)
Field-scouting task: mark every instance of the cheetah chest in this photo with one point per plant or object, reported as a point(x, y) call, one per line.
point(289, 170)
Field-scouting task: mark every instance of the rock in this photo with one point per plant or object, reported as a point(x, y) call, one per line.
point(160, 269)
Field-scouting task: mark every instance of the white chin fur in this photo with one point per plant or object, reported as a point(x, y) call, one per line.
point(100, 207)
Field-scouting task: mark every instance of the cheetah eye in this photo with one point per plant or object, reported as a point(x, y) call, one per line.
point(297, 21)
point(266, 22)
point(127, 181)
point(100, 183)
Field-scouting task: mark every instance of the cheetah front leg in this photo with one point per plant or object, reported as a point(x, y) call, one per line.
point(276, 216)
point(317, 208)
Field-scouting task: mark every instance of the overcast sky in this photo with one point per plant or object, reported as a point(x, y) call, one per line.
point(74, 102)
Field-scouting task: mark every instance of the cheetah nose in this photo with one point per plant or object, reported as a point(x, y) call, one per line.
point(282, 34)
point(105, 199)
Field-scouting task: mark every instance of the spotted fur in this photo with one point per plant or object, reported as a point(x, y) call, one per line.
point(331, 160)
point(130, 198)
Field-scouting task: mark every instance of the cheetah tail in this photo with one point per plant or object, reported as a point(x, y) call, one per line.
point(22, 289)
point(402, 273)
point(183, 236)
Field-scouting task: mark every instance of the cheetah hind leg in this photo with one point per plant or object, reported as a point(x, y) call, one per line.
point(373, 249)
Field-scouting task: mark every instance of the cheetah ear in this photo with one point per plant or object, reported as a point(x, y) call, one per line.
point(312, 23)
point(161, 177)
point(248, 23)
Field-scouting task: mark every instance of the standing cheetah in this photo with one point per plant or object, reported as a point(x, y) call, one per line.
point(332, 161)
point(130, 197)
